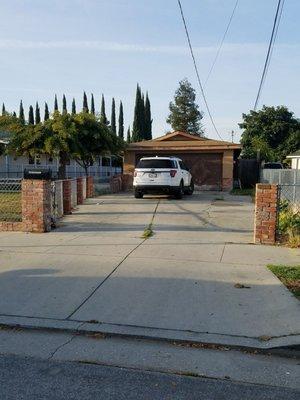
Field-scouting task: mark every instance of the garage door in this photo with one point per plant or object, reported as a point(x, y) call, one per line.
point(206, 168)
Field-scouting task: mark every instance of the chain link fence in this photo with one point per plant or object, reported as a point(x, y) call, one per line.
point(288, 214)
point(10, 200)
point(289, 195)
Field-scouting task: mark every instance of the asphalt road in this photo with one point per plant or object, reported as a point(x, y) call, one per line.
point(29, 378)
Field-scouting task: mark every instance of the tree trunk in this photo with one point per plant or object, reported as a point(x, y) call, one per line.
point(62, 173)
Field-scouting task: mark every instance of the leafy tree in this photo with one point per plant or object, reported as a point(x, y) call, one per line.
point(30, 116)
point(21, 113)
point(85, 107)
point(92, 105)
point(55, 104)
point(37, 114)
point(3, 109)
point(103, 118)
point(92, 138)
point(139, 117)
point(64, 105)
point(46, 114)
point(113, 117)
point(273, 131)
point(73, 106)
point(184, 114)
point(121, 122)
point(148, 119)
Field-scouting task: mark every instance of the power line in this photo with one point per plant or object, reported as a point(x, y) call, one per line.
point(270, 49)
point(196, 69)
point(222, 41)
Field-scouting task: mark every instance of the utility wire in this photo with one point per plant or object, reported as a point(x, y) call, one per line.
point(270, 49)
point(196, 69)
point(221, 43)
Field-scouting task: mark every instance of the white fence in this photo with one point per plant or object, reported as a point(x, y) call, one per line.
point(280, 176)
point(84, 188)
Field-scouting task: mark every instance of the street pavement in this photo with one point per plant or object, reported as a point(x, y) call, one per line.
point(29, 379)
point(96, 273)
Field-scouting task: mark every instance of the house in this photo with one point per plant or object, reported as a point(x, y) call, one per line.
point(210, 161)
point(295, 158)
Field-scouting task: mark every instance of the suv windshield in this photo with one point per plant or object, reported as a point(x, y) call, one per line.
point(156, 163)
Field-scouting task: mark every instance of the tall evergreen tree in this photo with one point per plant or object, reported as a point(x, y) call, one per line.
point(92, 105)
point(128, 135)
point(113, 117)
point(3, 109)
point(103, 118)
point(55, 104)
point(46, 114)
point(37, 114)
point(139, 117)
point(30, 116)
point(14, 114)
point(21, 113)
point(85, 107)
point(148, 119)
point(121, 122)
point(64, 105)
point(184, 114)
point(73, 106)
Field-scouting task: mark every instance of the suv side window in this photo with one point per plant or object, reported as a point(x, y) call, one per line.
point(183, 166)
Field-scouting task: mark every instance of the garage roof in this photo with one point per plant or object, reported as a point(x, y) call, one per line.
point(183, 141)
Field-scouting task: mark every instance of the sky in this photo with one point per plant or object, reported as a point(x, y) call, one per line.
point(108, 46)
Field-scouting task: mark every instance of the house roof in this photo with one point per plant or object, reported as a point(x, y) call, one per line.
point(182, 141)
point(294, 155)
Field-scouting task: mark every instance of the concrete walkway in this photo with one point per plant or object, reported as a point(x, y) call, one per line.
point(96, 273)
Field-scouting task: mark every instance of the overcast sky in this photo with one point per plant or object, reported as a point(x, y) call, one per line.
point(107, 46)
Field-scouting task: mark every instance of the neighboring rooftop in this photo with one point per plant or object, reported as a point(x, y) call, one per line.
point(293, 155)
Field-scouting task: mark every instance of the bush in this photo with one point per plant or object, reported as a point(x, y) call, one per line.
point(289, 223)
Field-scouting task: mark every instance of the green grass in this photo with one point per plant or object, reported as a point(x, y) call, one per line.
point(148, 232)
point(289, 276)
point(10, 206)
point(243, 192)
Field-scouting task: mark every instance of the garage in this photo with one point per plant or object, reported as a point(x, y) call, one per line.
point(210, 161)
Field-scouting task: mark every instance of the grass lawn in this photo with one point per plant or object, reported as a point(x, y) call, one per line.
point(10, 206)
point(289, 276)
point(243, 192)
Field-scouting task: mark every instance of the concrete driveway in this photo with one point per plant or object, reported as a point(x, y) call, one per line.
point(96, 273)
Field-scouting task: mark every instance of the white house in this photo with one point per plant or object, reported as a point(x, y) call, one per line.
point(295, 157)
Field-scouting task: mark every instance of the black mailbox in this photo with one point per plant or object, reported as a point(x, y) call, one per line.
point(38, 173)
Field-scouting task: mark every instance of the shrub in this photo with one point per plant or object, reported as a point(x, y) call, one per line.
point(289, 223)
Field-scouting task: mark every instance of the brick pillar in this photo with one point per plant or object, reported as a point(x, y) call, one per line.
point(89, 186)
point(67, 196)
point(79, 190)
point(266, 200)
point(36, 205)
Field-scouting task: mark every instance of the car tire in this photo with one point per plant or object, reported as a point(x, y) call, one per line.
point(180, 192)
point(190, 189)
point(138, 194)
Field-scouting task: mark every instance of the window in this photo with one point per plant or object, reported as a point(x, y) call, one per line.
point(50, 160)
point(38, 159)
point(30, 160)
point(156, 163)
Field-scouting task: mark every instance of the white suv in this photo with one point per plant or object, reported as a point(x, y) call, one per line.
point(162, 175)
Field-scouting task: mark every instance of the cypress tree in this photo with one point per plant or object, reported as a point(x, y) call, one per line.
point(21, 113)
point(139, 117)
point(121, 122)
point(92, 105)
point(3, 109)
point(148, 119)
point(46, 115)
point(64, 105)
point(128, 135)
point(103, 118)
point(37, 114)
point(14, 114)
point(113, 117)
point(30, 116)
point(73, 107)
point(55, 104)
point(85, 107)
